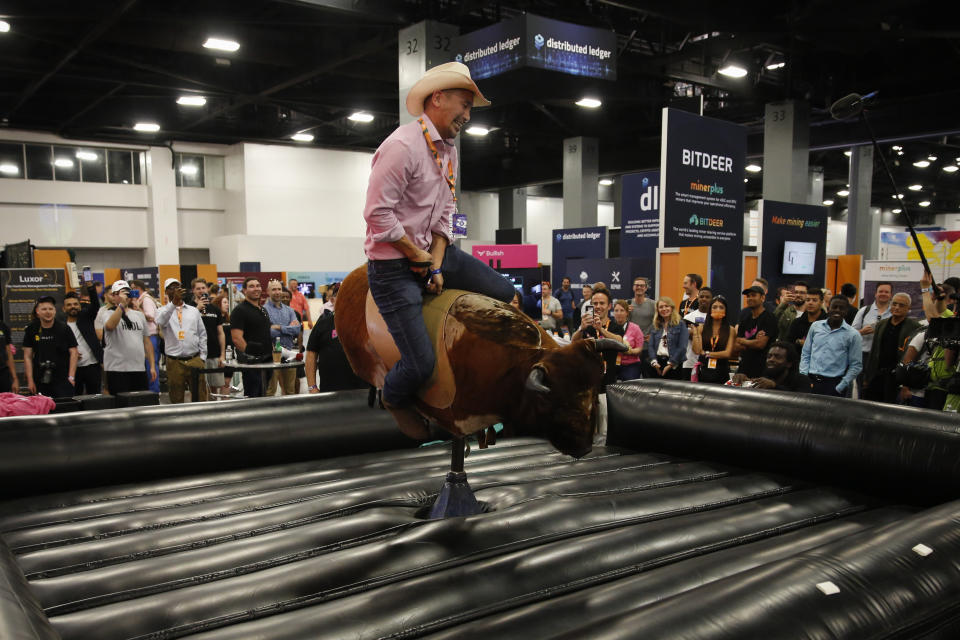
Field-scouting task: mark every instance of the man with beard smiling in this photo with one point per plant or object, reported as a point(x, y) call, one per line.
point(80, 319)
point(832, 355)
point(781, 371)
point(411, 198)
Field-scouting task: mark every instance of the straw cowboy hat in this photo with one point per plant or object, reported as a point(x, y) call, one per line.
point(452, 75)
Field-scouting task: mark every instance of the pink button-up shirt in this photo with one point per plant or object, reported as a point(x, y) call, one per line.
point(407, 195)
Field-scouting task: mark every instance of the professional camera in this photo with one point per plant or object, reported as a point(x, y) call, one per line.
point(47, 368)
point(944, 332)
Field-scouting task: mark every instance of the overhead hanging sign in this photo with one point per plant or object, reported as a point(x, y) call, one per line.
point(538, 42)
point(701, 192)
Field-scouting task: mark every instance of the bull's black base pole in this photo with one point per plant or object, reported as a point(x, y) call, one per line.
point(456, 497)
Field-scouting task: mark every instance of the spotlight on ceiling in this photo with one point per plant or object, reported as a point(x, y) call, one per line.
point(898, 210)
point(915, 187)
point(776, 65)
point(732, 70)
point(4, 28)
point(606, 182)
point(932, 158)
point(360, 116)
point(146, 127)
point(848, 153)
point(302, 137)
point(588, 103)
point(827, 203)
point(221, 44)
point(897, 147)
point(192, 101)
point(922, 164)
point(843, 193)
point(477, 130)
point(950, 168)
point(753, 168)
point(924, 203)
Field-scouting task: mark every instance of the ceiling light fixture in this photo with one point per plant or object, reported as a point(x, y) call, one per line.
point(827, 203)
point(950, 168)
point(189, 169)
point(732, 71)
point(192, 101)
point(921, 164)
point(924, 203)
point(302, 137)
point(848, 153)
point(932, 158)
point(9, 169)
point(843, 193)
point(477, 130)
point(221, 44)
point(606, 182)
point(899, 196)
point(86, 155)
point(4, 28)
point(588, 103)
point(776, 65)
point(897, 147)
point(898, 210)
point(360, 116)
point(63, 163)
point(753, 168)
point(915, 187)
point(146, 127)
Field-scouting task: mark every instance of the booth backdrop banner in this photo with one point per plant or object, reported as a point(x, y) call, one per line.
point(568, 244)
point(534, 41)
point(942, 249)
point(640, 208)
point(19, 290)
point(701, 192)
point(616, 273)
point(904, 275)
point(507, 256)
point(783, 221)
point(149, 275)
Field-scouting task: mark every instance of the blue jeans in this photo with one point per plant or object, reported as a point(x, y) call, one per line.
point(398, 293)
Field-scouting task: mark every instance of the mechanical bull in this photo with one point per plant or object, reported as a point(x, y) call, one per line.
point(494, 364)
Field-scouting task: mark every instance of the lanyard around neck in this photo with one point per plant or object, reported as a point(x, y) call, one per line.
point(451, 181)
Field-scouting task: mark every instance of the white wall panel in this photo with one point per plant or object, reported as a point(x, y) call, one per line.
point(100, 259)
point(288, 253)
point(292, 190)
point(68, 226)
point(543, 216)
point(197, 228)
point(483, 214)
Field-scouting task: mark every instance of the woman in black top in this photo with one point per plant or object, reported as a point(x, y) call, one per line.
point(713, 342)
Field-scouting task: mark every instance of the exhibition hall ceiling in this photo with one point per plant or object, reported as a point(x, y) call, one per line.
point(91, 70)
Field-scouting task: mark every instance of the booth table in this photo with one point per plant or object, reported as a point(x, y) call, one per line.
point(234, 366)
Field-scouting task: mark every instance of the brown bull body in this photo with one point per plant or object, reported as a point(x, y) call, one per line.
point(486, 351)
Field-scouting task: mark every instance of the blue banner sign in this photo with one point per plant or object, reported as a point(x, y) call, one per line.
point(640, 206)
point(568, 244)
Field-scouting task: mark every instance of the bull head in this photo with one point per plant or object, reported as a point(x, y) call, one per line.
point(564, 385)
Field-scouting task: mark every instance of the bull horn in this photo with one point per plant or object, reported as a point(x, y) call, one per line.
point(609, 344)
point(537, 379)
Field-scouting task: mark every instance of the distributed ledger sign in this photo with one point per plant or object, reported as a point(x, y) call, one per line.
point(702, 165)
point(534, 41)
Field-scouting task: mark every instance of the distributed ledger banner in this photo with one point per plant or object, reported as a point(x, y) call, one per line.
point(701, 192)
point(543, 43)
point(570, 244)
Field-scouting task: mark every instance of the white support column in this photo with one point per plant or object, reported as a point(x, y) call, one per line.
point(162, 231)
point(581, 158)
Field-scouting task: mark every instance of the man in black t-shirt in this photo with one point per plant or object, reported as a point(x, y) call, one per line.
point(755, 331)
point(213, 323)
point(325, 357)
point(8, 373)
point(250, 330)
point(599, 325)
point(49, 353)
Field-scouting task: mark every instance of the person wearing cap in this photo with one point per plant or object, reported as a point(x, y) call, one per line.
point(127, 350)
point(49, 352)
point(757, 329)
point(184, 343)
point(410, 202)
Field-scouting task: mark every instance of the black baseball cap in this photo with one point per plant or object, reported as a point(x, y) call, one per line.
point(754, 289)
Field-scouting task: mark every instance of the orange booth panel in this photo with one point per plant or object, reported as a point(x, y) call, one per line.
point(830, 279)
point(674, 266)
point(751, 268)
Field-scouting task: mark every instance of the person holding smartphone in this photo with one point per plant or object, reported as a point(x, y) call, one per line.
point(695, 320)
point(216, 338)
point(147, 305)
point(127, 351)
point(596, 323)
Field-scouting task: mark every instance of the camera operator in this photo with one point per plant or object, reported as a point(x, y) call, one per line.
point(213, 323)
point(127, 351)
point(49, 352)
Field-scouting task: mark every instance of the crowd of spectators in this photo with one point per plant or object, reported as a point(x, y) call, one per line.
point(805, 340)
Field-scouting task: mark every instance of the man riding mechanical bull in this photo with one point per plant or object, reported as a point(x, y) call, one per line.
point(480, 361)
